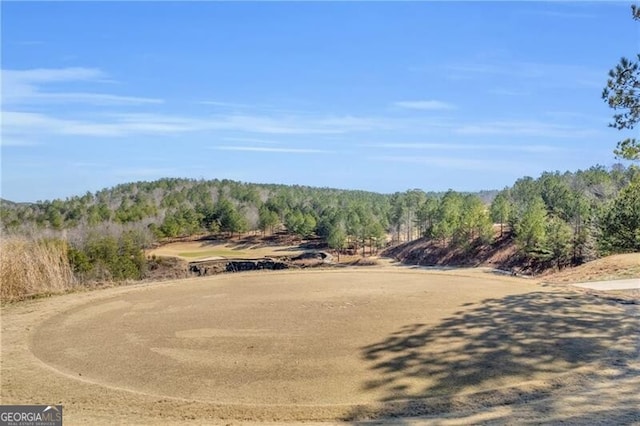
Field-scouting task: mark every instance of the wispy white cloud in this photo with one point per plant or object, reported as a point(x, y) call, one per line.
point(449, 162)
point(467, 147)
point(293, 124)
point(525, 128)
point(255, 108)
point(270, 125)
point(49, 75)
point(8, 141)
point(26, 87)
point(270, 149)
point(144, 123)
point(573, 116)
point(431, 105)
point(540, 73)
point(41, 87)
point(145, 172)
point(222, 104)
point(250, 140)
point(90, 98)
point(30, 125)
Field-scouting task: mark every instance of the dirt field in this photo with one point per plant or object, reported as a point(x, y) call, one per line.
point(454, 347)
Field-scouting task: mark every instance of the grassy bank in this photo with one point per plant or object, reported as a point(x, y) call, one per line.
point(30, 267)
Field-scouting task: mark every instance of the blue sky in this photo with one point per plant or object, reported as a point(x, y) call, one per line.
point(360, 95)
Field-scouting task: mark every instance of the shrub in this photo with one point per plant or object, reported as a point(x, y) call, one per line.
point(107, 258)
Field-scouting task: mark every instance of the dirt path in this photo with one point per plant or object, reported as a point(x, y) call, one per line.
point(456, 346)
point(632, 284)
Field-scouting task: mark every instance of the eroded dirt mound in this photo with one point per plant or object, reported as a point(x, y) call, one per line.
point(162, 268)
point(501, 254)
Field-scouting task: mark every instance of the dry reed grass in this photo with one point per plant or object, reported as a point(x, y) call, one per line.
point(33, 267)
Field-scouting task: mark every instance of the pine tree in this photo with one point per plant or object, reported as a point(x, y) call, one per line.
point(622, 93)
point(501, 210)
point(337, 240)
point(621, 224)
point(558, 241)
point(531, 229)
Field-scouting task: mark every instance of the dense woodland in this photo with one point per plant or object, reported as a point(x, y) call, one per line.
point(562, 218)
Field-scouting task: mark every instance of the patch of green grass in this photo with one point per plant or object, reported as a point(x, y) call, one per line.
point(210, 253)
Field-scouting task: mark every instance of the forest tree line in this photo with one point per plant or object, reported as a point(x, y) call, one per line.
point(566, 218)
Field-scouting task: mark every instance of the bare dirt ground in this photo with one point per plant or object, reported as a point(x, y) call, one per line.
point(372, 344)
point(611, 268)
point(631, 284)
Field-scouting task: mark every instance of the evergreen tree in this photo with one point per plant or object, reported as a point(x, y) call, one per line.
point(425, 216)
point(501, 210)
point(621, 223)
point(558, 241)
point(230, 219)
point(448, 217)
point(474, 220)
point(267, 219)
point(622, 93)
point(530, 229)
point(337, 240)
point(308, 225)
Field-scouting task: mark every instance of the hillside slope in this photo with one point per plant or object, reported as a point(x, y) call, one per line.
point(501, 254)
point(618, 266)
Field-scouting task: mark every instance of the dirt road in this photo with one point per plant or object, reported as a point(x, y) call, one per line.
point(458, 346)
point(631, 284)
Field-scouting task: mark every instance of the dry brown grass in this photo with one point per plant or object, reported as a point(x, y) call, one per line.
point(33, 267)
point(619, 266)
point(461, 347)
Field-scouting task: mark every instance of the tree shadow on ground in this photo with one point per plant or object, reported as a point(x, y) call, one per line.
point(474, 358)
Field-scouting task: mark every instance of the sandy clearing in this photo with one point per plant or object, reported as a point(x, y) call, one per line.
point(348, 344)
point(631, 284)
